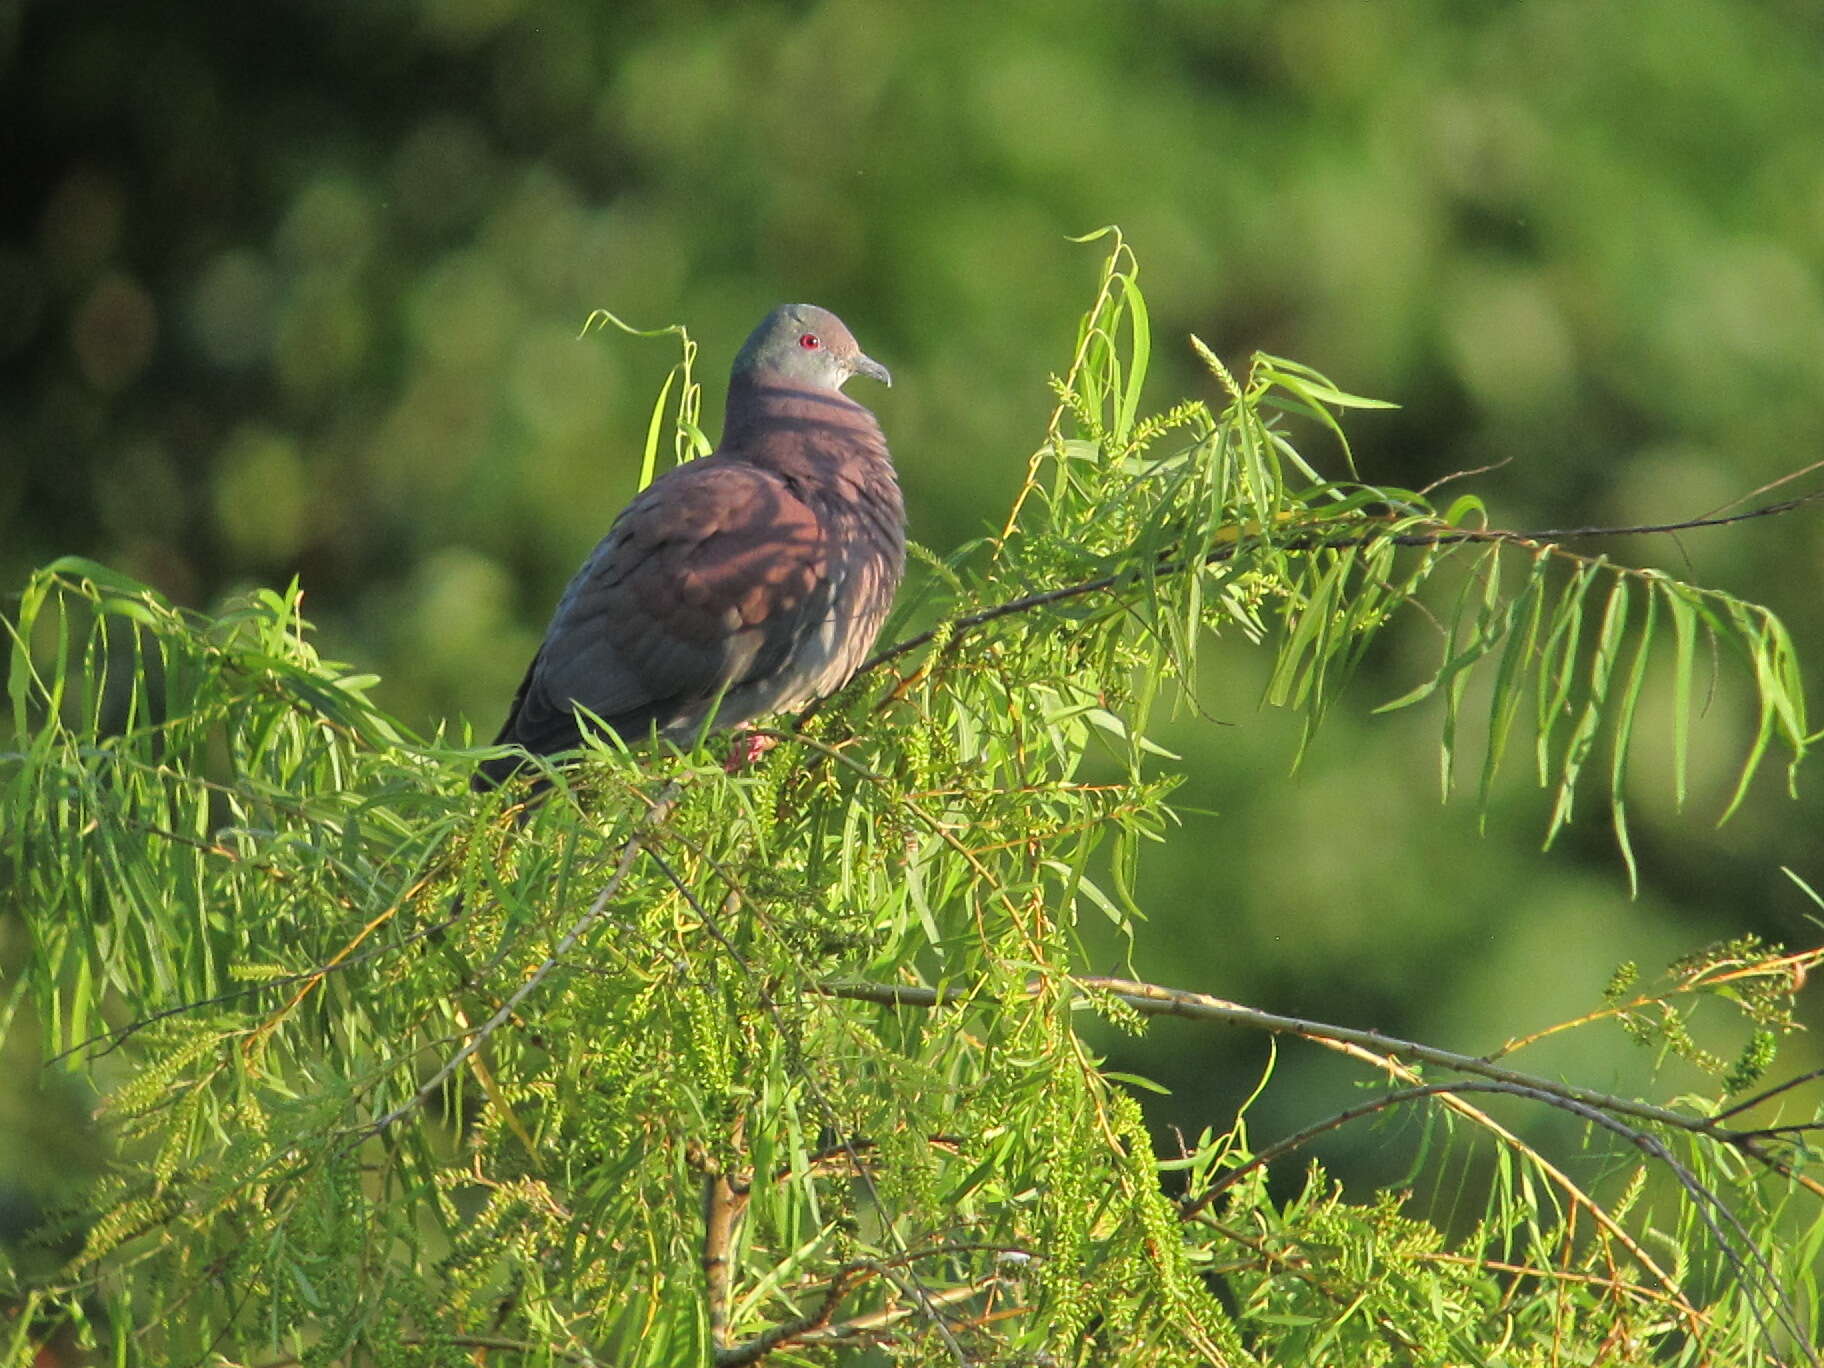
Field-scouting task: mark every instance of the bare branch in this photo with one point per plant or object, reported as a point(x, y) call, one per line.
point(1766, 1095)
point(1150, 999)
point(1189, 1206)
point(815, 1328)
point(872, 1322)
point(757, 1348)
point(723, 1203)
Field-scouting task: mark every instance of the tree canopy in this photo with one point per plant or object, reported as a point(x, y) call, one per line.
point(672, 1065)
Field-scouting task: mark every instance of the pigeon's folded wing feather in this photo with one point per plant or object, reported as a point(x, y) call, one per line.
point(709, 579)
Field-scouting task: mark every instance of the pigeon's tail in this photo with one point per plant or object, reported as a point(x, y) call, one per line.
point(491, 774)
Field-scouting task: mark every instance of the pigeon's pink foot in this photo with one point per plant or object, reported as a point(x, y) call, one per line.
point(745, 749)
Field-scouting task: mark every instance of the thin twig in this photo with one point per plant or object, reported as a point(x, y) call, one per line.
point(1767, 488)
point(1766, 1095)
point(816, 1327)
point(529, 1349)
point(1426, 491)
point(873, 1322)
point(1189, 1206)
point(119, 1036)
point(1706, 976)
point(1320, 542)
point(1151, 999)
point(757, 1348)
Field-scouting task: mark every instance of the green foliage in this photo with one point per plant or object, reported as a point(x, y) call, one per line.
point(399, 1074)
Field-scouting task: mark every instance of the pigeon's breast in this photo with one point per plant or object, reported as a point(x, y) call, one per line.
point(867, 526)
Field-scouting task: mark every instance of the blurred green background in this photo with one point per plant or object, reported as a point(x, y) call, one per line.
point(295, 289)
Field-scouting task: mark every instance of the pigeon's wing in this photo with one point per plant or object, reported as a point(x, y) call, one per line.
point(707, 580)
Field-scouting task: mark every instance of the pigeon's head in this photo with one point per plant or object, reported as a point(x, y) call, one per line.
point(808, 346)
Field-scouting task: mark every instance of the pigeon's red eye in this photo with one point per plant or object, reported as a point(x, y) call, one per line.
point(809, 342)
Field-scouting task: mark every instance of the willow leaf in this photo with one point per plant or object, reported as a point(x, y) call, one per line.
point(1462, 506)
point(1494, 622)
point(1140, 342)
point(1505, 696)
point(1622, 735)
point(1482, 638)
point(1290, 683)
point(1764, 638)
point(1684, 646)
point(1558, 662)
point(1589, 721)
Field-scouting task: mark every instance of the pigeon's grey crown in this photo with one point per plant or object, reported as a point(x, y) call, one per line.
point(806, 345)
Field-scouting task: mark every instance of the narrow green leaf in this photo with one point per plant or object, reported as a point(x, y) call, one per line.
point(81, 568)
point(1684, 645)
point(1483, 637)
point(1621, 734)
point(1492, 625)
point(1589, 721)
point(1319, 387)
point(1558, 661)
point(1753, 636)
point(1311, 636)
point(1139, 355)
point(1506, 694)
point(649, 453)
point(1462, 506)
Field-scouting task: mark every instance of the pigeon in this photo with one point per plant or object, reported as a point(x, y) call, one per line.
point(746, 582)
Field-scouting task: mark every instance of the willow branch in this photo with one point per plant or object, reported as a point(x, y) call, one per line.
point(1767, 1095)
point(873, 1322)
point(1600, 1109)
point(757, 1348)
point(1322, 542)
point(816, 1327)
point(1151, 999)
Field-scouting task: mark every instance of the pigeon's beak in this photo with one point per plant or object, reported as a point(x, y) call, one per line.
point(868, 366)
